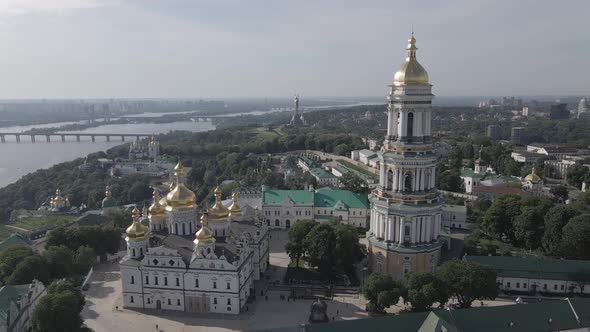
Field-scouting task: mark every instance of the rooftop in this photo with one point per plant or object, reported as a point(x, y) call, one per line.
point(321, 173)
point(10, 294)
point(538, 268)
point(320, 198)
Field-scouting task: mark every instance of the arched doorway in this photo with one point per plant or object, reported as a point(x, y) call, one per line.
point(158, 304)
point(267, 222)
point(288, 223)
point(277, 223)
point(410, 131)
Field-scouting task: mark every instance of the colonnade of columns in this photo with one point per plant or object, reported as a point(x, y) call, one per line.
point(422, 178)
point(392, 228)
point(397, 122)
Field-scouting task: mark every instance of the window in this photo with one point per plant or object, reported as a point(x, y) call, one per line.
point(545, 286)
point(518, 285)
point(169, 302)
point(508, 284)
point(149, 301)
point(408, 182)
point(131, 299)
point(132, 280)
point(165, 281)
point(410, 125)
point(524, 285)
point(407, 231)
point(147, 280)
point(178, 302)
point(177, 282)
point(562, 287)
point(155, 280)
point(133, 252)
point(228, 286)
point(196, 283)
point(228, 301)
point(214, 300)
point(554, 287)
point(140, 251)
point(215, 285)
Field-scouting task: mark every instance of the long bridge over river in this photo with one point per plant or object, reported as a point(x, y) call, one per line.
point(64, 136)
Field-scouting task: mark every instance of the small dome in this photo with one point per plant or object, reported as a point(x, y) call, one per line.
point(136, 231)
point(534, 178)
point(108, 201)
point(218, 211)
point(156, 209)
point(180, 196)
point(234, 208)
point(204, 235)
point(411, 72)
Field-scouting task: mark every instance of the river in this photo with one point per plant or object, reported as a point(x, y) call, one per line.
point(18, 159)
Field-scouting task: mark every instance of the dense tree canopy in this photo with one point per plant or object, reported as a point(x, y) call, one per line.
point(424, 289)
point(382, 291)
point(468, 281)
point(59, 310)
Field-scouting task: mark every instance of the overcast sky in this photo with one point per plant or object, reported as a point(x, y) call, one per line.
point(251, 48)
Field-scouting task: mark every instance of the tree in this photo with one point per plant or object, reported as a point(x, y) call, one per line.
point(320, 244)
point(295, 246)
point(9, 259)
point(468, 281)
point(528, 227)
point(354, 183)
point(85, 259)
point(60, 261)
point(555, 219)
point(32, 267)
point(59, 310)
point(498, 219)
point(576, 237)
point(139, 191)
point(348, 249)
point(424, 289)
point(381, 291)
point(560, 192)
point(576, 174)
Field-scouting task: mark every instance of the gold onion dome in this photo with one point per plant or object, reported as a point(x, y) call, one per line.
point(234, 208)
point(204, 235)
point(156, 209)
point(534, 178)
point(411, 72)
point(218, 211)
point(180, 196)
point(136, 231)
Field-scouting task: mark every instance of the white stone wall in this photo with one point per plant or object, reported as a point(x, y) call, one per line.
point(542, 285)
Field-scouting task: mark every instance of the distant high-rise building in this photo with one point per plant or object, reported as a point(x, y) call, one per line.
point(525, 111)
point(559, 111)
point(583, 108)
point(518, 135)
point(493, 132)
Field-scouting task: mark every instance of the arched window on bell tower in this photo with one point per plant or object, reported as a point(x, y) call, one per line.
point(389, 183)
point(410, 126)
point(408, 182)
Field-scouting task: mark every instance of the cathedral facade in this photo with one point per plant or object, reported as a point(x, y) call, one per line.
point(173, 264)
point(405, 217)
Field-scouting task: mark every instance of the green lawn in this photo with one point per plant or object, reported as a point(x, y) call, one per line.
point(4, 232)
point(264, 133)
point(36, 222)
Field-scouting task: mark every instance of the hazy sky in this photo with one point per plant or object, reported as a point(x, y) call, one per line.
point(219, 48)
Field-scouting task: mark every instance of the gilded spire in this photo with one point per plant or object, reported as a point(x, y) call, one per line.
point(180, 196)
point(234, 208)
point(218, 211)
point(136, 231)
point(156, 209)
point(411, 72)
point(204, 235)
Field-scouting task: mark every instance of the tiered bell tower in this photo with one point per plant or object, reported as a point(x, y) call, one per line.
point(405, 221)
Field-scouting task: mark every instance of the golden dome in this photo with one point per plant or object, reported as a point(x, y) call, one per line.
point(204, 235)
point(234, 208)
point(534, 178)
point(156, 209)
point(218, 211)
point(136, 231)
point(411, 72)
point(180, 196)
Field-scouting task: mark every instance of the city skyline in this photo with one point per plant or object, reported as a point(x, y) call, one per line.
point(133, 49)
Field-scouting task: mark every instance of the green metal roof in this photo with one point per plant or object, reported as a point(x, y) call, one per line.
point(329, 197)
point(320, 198)
point(299, 197)
point(321, 173)
point(540, 316)
point(10, 294)
point(467, 172)
point(15, 240)
point(539, 268)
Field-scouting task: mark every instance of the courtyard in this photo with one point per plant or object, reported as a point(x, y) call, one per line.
point(104, 310)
